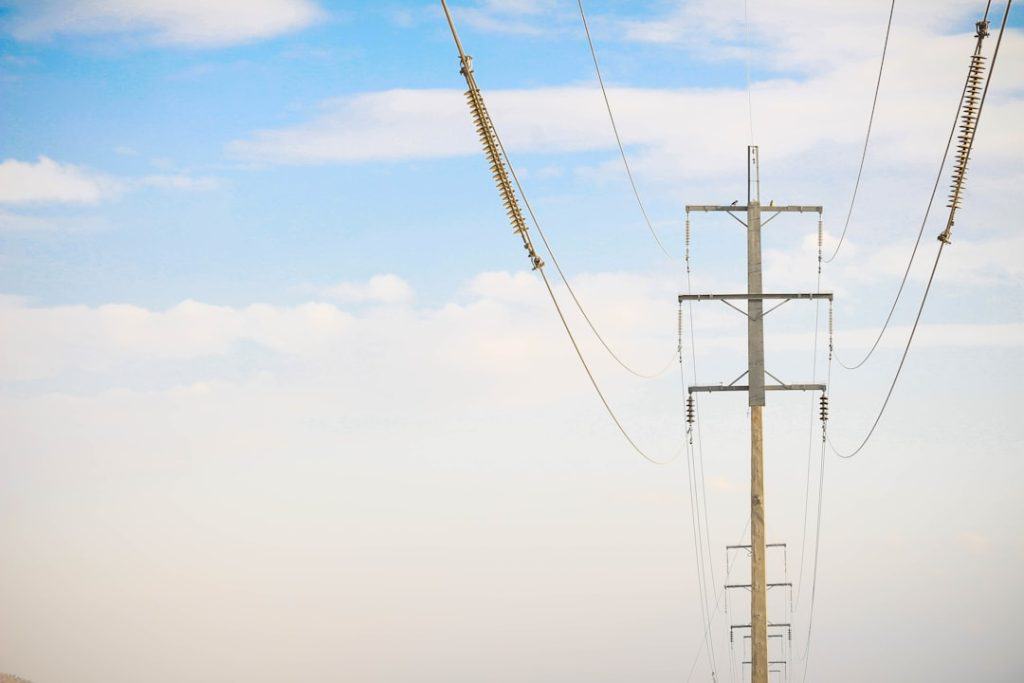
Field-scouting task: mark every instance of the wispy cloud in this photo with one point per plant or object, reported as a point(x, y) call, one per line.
point(47, 181)
point(668, 127)
point(384, 289)
point(194, 23)
point(46, 185)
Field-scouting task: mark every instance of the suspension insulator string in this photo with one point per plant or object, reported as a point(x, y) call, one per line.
point(821, 240)
point(687, 252)
point(485, 129)
point(505, 176)
point(969, 113)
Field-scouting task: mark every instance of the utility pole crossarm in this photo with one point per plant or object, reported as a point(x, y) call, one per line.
point(705, 208)
point(755, 297)
point(711, 388)
point(792, 208)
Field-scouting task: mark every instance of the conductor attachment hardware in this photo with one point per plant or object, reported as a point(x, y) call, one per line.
point(493, 150)
point(970, 109)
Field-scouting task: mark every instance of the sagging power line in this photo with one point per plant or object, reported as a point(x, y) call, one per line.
point(502, 170)
point(969, 112)
point(970, 115)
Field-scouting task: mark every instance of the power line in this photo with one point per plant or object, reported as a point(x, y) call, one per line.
point(810, 427)
point(746, 56)
point(814, 574)
point(565, 323)
point(702, 493)
point(615, 129)
point(700, 434)
point(917, 242)
point(695, 524)
point(970, 119)
point(867, 136)
point(501, 167)
point(579, 306)
point(718, 600)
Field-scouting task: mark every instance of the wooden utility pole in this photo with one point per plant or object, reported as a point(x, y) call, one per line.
point(755, 354)
point(755, 389)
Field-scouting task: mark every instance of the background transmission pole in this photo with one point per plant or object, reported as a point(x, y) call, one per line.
point(755, 389)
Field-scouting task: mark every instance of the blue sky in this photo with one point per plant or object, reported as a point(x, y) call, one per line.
point(115, 103)
point(276, 379)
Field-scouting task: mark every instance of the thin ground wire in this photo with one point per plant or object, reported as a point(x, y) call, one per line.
point(810, 443)
point(615, 129)
point(746, 53)
point(814, 574)
point(867, 136)
point(565, 322)
point(938, 254)
point(561, 274)
point(700, 435)
point(917, 242)
point(718, 600)
point(899, 368)
point(695, 512)
point(583, 312)
point(593, 380)
point(700, 438)
point(817, 532)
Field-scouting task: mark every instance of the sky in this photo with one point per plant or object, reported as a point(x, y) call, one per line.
point(281, 397)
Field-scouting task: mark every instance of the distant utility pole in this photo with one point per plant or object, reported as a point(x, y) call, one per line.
point(755, 388)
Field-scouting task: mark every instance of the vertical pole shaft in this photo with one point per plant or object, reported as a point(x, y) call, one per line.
point(758, 605)
point(755, 368)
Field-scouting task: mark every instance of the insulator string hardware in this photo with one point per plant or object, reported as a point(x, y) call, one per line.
point(821, 241)
point(687, 244)
point(485, 129)
point(970, 110)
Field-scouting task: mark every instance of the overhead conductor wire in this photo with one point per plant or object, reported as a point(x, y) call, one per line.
point(746, 54)
point(615, 129)
point(970, 117)
point(695, 467)
point(917, 242)
point(501, 168)
point(970, 112)
point(695, 522)
point(718, 600)
point(696, 406)
point(810, 429)
point(867, 136)
point(702, 498)
point(572, 292)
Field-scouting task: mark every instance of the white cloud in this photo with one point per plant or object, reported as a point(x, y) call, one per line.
point(46, 180)
point(49, 341)
point(25, 223)
point(855, 29)
point(178, 182)
point(502, 323)
point(385, 289)
point(45, 184)
point(433, 451)
point(681, 133)
point(198, 23)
